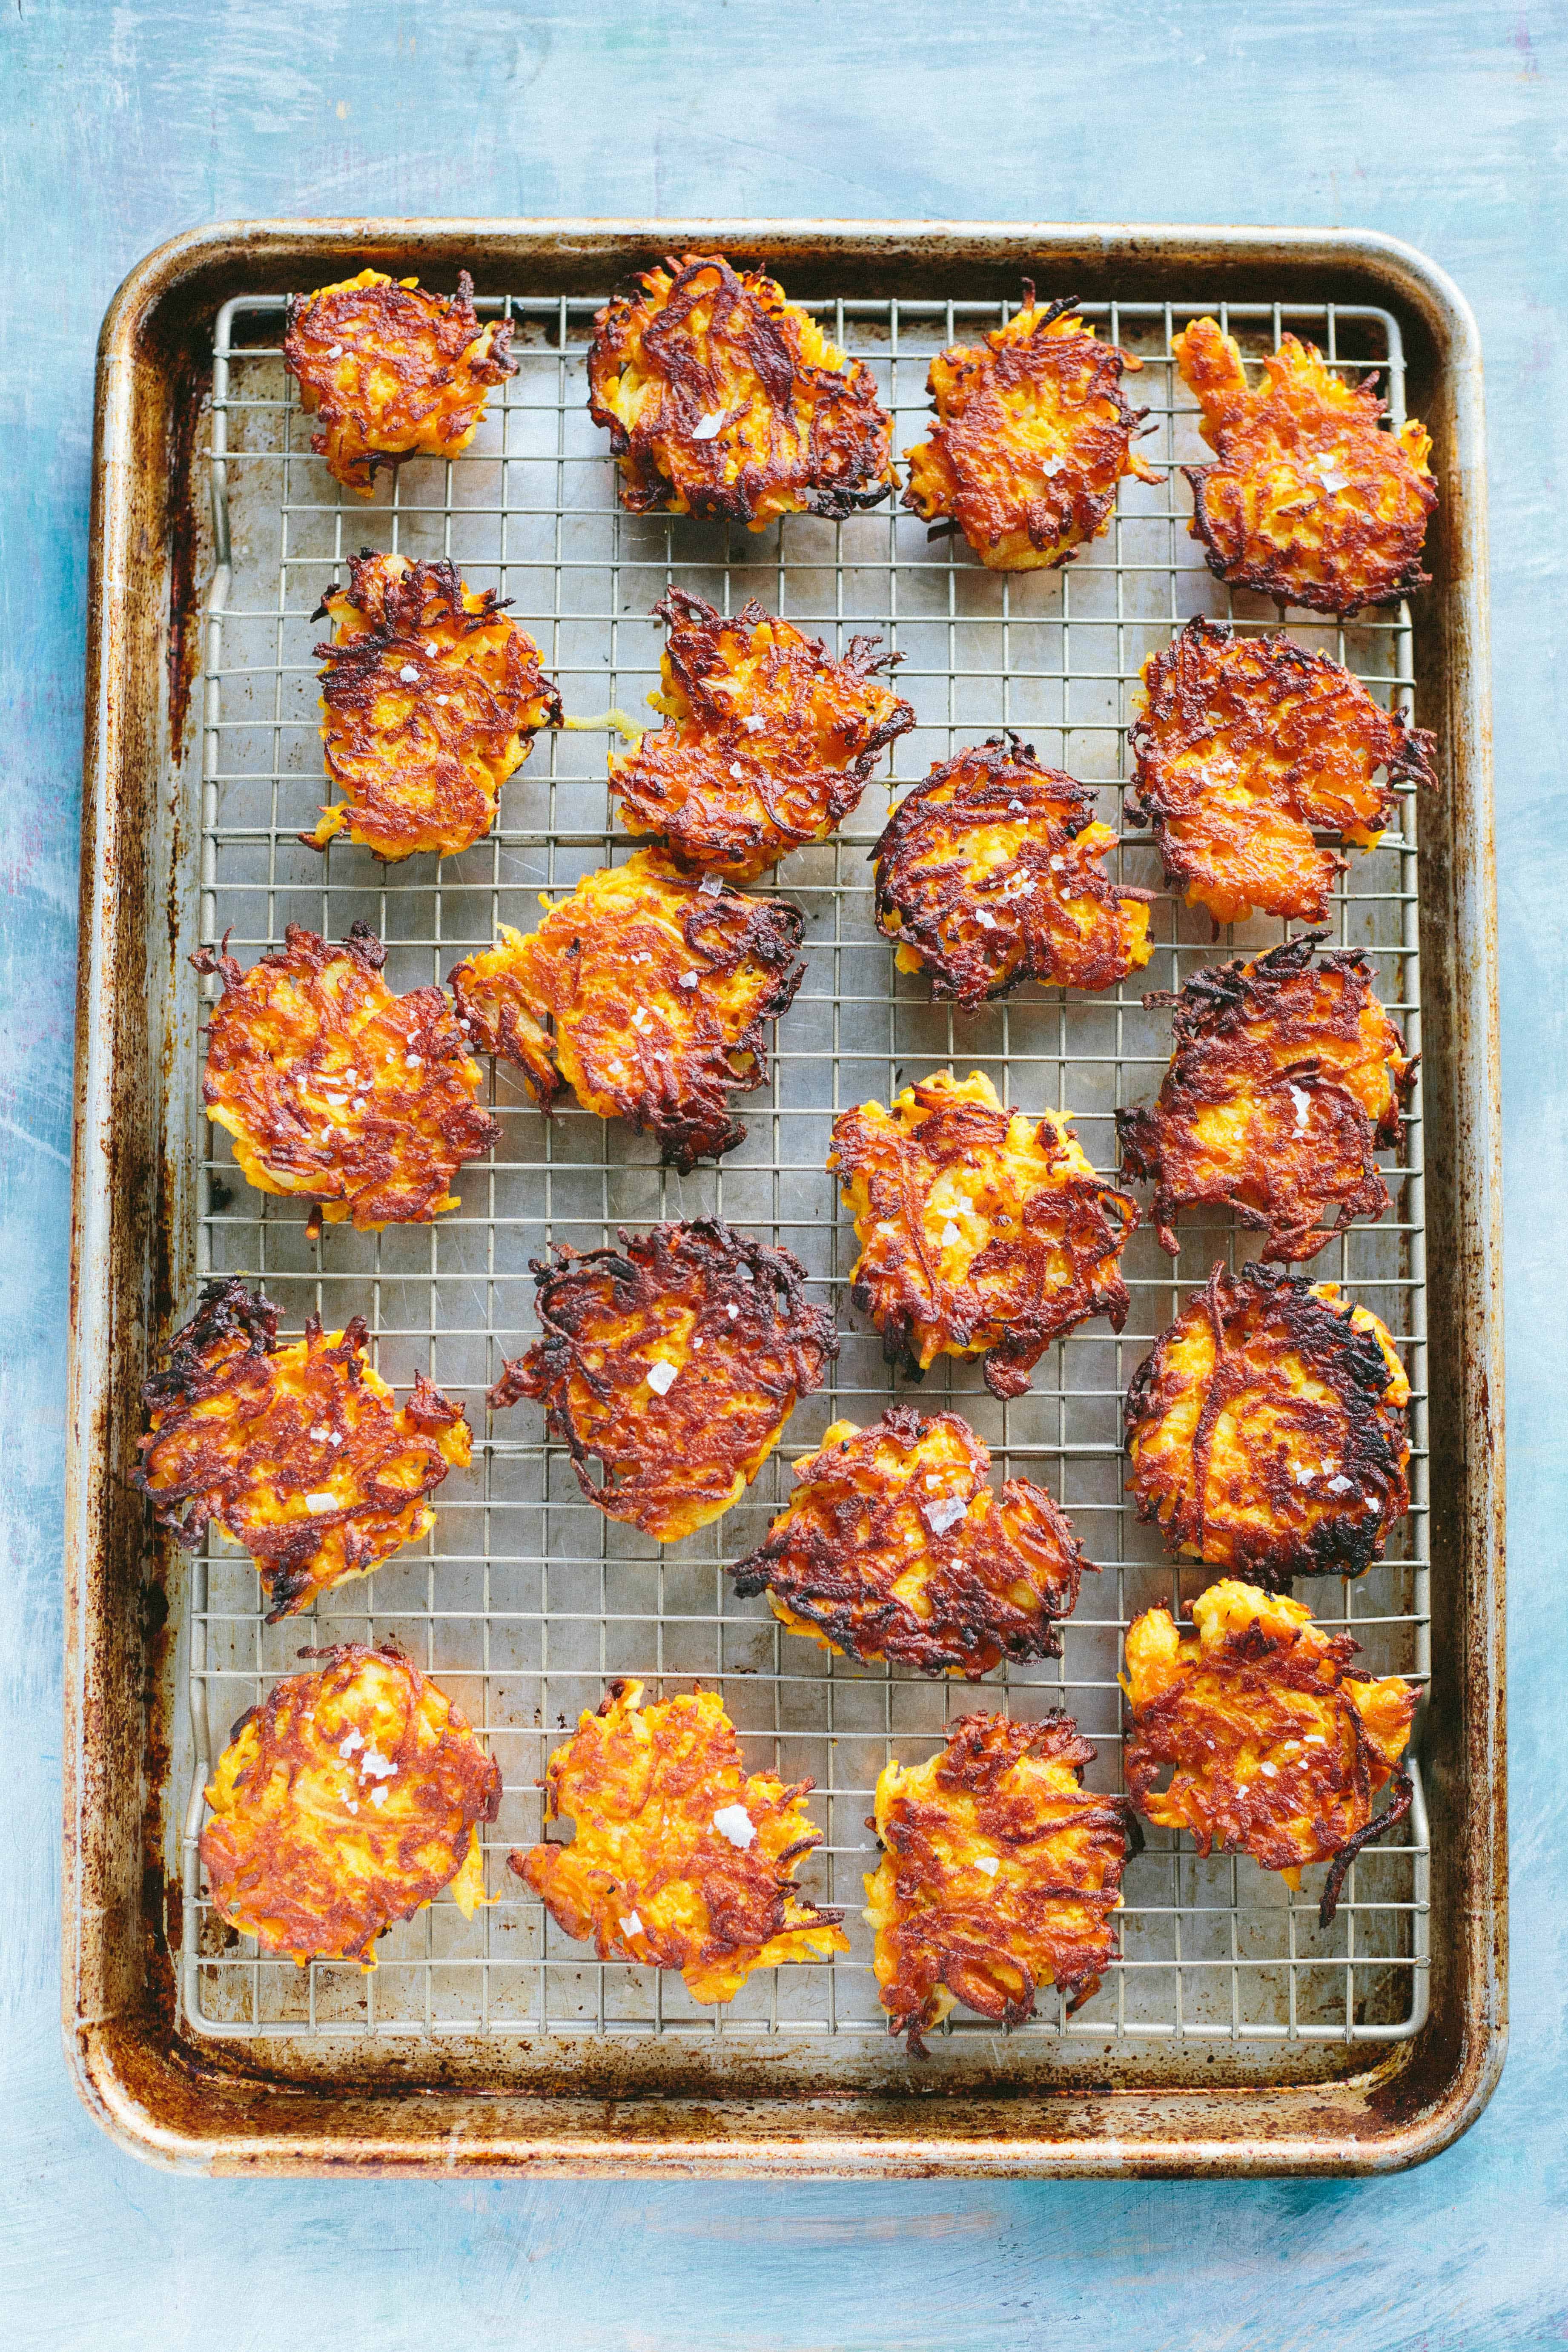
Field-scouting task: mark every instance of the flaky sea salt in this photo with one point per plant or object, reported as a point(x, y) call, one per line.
point(737, 771)
point(1333, 480)
point(754, 722)
point(349, 1741)
point(661, 1378)
point(735, 1822)
point(710, 426)
point(687, 980)
point(317, 1504)
point(336, 352)
point(988, 1863)
point(374, 1766)
point(950, 1237)
point(986, 922)
point(630, 1924)
point(731, 1311)
point(378, 1796)
point(1339, 1485)
point(408, 674)
point(1303, 1102)
point(710, 884)
point(940, 1516)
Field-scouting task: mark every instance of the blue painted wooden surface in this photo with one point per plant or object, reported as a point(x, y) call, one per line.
point(1441, 123)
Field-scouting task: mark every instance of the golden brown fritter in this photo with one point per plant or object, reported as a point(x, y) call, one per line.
point(723, 400)
point(1309, 501)
point(989, 873)
point(681, 1858)
point(1267, 1430)
point(655, 989)
point(296, 1453)
point(1246, 748)
point(1000, 1874)
point(767, 744)
point(1285, 1078)
point(894, 1546)
point(674, 1362)
point(431, 698)
point(1032, 435)
point(1275, 1750)
point(345, 1801)
point(981, 1232)
point(332, 1086)
point(392, 372)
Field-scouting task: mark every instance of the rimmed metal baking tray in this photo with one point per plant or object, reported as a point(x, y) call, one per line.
point(1230, 2036)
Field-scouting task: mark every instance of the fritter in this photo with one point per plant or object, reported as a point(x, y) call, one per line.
point(674, 1362)
point(767, 742)
point(1285, 1078)
point(656, 990)
point(681, 1858)
point(332, 1086)
point(345, 1801)
point(1267, 1430)
point(1000, 1874)
point(723, 400)
point(1032, 435)
point(392, 372)
point(431, 698)
point(1309, 501)
point(1275, 1750)
point(1246, 748)
point(989, 873)
point(982, 1231)
point(296, 1453)
point(894, 1546)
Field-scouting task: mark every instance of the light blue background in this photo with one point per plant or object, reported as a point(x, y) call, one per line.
point(1441, 124)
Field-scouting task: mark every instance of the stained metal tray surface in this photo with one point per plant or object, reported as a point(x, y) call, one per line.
point(1232, 2031)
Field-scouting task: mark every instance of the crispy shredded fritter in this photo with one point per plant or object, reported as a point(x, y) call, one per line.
point(1032, 435)
point(723, 400)
point(431, 698)
point(1309, 501)
point(767, 742)
point(392, 372)
point(332, 1086)
point(345, 1801)
point(722, 1324)
point(296, 1453)
point(982, 1231)
point(1274, 1749)
point(894, 1546)
point(990, 873)
point(1246, 748)
point(656, 990)
point(1285, 1078)
point(1000, 1874)
point(1267, 1430)
point(681, 1858)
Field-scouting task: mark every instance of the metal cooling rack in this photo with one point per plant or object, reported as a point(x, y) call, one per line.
point(526, 1600)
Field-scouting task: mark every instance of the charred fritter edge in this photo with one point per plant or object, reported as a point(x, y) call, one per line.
point(683, 1758)
point(1347, 419)
point(1179, 687)
point(794, 373)
point(996, 784)
point(785, 796)
point(972, 466)
point(1369, 1437)
point(427, 342)
point(834, 1556)
point(1308, 1803)
point(972, 1131)
point(721, 931)
point(1214, 1059)
point(229, 1347)
point(674, 1462)
point(292, 1147)
point(256, 1883)
point(990, 1938)
point(482, 725)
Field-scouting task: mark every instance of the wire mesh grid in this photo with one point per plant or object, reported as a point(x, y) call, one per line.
point(526, 1600)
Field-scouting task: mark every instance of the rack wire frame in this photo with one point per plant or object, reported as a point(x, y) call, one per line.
point(526, 1601)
